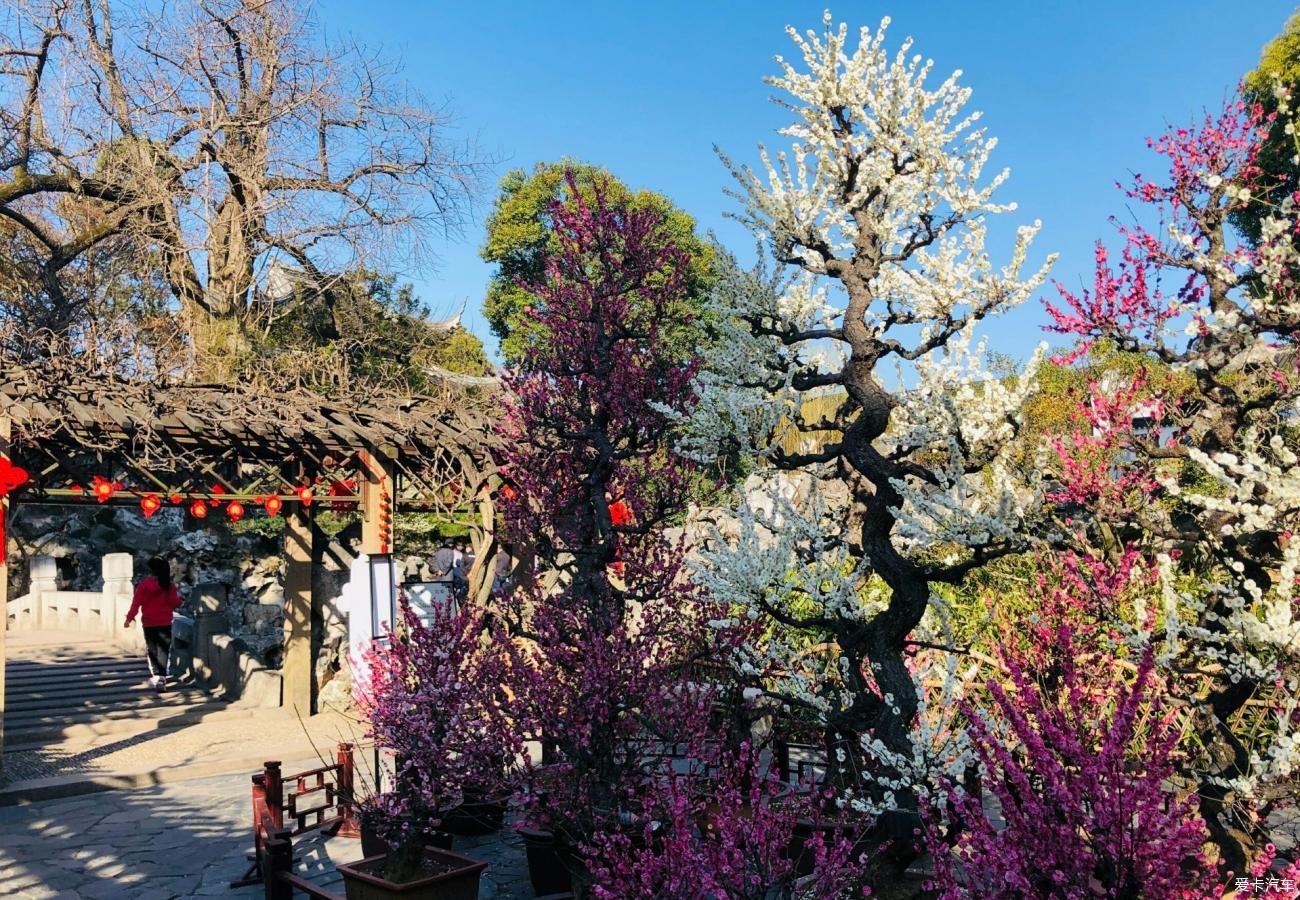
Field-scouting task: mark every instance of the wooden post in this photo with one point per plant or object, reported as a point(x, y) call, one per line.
point(259, 793)
point(4, 582)
point(377, 502)
point(297, 671)
point(279, 863)
point(348, 825)
point(273, 785)
point(485, 544)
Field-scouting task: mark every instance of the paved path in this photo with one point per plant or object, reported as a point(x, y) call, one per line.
point(181, 840)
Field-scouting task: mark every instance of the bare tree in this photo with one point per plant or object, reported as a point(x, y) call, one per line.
point(212, 136)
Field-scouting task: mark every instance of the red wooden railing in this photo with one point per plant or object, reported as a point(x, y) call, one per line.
point(335, 814)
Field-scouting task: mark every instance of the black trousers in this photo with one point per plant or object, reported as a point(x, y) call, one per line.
point(158, 647)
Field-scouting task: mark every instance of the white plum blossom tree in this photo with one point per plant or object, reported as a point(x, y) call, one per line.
point(877, 216)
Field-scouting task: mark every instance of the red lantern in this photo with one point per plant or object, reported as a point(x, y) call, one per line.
point(150, 504)
point(199, 509)
point(273, 505)
point(176, 499)
point(305, 495)
point(509, 493)
point(218, 489)
point(11, 477)
point(104, 489)
point(235, 510)
point(619, 513)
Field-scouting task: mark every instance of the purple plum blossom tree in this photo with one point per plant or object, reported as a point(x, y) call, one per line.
point(607, 627)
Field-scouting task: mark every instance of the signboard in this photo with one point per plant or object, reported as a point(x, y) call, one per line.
point(383, 594)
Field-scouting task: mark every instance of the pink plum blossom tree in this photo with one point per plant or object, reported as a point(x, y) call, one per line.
point(433, 698)
point(1204, 473)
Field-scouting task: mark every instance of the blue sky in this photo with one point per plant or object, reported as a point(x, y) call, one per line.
point(647, 88)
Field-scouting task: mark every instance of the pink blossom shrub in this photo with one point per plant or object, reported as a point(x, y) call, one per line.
point(735, 835)
point(433, 699)
point(1078, 750)
point(1079, 762)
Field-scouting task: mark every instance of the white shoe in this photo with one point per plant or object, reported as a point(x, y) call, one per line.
point(157, 682)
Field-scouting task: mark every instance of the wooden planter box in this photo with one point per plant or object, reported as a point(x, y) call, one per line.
point(458, 883)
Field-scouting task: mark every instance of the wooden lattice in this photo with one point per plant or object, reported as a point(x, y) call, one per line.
point(230, 442)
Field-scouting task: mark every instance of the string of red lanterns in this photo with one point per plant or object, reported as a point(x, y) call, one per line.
point(104, 489)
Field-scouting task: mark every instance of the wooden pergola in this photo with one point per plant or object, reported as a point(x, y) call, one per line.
point(85, 438)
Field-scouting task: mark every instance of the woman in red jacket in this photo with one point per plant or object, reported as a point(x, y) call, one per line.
point(155, 600)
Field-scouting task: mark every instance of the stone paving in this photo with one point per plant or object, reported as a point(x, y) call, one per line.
point(187, 839)
point(242, 742)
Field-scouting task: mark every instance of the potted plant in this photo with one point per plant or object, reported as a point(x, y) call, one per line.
point(372, 815)
point(428, 694)
point(438, 875)
point(402, 858)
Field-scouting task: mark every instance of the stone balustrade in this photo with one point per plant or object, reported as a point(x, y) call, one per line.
point(47, 608)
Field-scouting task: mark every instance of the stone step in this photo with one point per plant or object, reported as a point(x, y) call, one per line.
point(28, 668)
point(51, 676)
point(57, 686)
point(155, 704)
point(45, 730)
point(55, 691)
point(142, 695)
point(65, 651)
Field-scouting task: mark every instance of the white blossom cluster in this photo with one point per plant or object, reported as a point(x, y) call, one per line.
point(808, 195)
point(1234, 624)
point(786, 561)
point(746, 386)
point(874, 148)
point(966, 419)
point(1230, 624)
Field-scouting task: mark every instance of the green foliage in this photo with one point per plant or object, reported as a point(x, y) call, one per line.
point(365, 329)
point(461, 352)
point(263, 526)
point(519, 239)
point(1280, 61)
point(420, 534)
